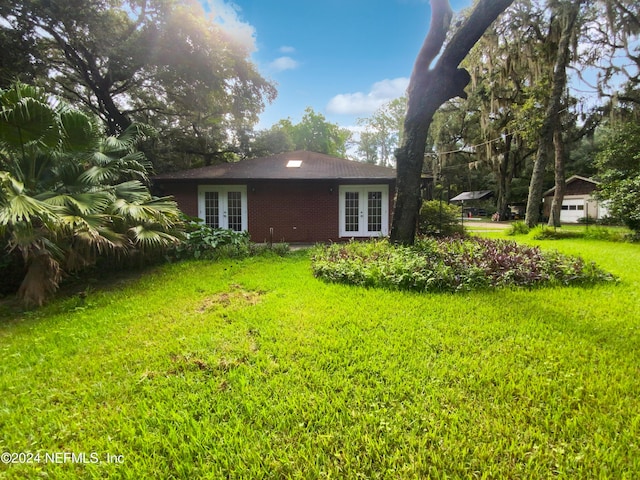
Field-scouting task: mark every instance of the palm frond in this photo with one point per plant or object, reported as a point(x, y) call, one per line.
point(166, 211)
point(93, 232)
point(150, 237)
point(84, 203)
point(28, 121)
point(128, 139)
point(97, 175)
point(132, 191)
point(79, 133)
point(17, 206)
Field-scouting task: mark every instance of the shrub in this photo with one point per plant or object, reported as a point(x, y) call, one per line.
point(439, 219)
point(203, 241)
point(518, 228)
point(451, 264)
point(550, 233)
point(602, 233)
point(594, 233)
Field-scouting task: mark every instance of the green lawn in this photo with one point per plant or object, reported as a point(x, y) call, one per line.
point(255, 369)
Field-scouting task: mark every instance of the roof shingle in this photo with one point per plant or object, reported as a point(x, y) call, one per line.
point(314, 166)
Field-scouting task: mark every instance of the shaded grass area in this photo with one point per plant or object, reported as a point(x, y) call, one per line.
point(255, 369)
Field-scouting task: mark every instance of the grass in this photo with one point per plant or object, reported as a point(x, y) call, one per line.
point(255, 369)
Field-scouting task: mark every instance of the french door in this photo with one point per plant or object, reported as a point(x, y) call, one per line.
point(364, 210)
point(223, 206)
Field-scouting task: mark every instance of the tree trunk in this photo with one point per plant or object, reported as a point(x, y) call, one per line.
point(505, 176)
point(552, 115)
point(558, 195)
point(428, 89)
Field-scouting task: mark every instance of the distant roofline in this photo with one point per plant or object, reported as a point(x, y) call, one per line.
point(569, 180)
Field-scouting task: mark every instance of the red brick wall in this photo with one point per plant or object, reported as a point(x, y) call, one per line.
point(186, 194)
point(298, 212)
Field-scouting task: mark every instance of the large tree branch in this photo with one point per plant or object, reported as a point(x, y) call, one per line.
point(441, 15)
point(428, 89)
point(483, 15)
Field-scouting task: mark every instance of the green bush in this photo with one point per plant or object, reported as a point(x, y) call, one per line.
point(593, 233)
point(439, 219)
point(449, 264)
point(518, 228)
point(203, 241)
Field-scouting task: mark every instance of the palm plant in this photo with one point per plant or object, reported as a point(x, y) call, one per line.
point(67, 195)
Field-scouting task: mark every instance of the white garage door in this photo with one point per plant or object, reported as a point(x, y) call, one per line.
point(572, 210)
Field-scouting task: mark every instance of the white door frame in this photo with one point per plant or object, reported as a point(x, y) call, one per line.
point(363, 211)
point(223, 194)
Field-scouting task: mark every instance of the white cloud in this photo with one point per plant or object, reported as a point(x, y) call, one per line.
point(287, 49)
point(359, 103)
point(227, 14)
point(283, 63)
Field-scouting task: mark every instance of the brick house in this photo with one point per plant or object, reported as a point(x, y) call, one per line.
point(579, 201)
point(295, 197)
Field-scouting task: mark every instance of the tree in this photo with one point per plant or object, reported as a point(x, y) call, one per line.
point(383, 131)
point(507, 66)
point(159, 62)
point(429, 88)
point(550, 132)
point(368, 147)
point(67, 195)
point(313, 133)
point(17, 61)
point(613, 50)
point(618, 162)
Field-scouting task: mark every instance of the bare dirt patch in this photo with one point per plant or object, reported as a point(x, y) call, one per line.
point(235, 298)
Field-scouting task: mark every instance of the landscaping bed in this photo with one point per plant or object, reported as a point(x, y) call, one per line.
point(450, 264)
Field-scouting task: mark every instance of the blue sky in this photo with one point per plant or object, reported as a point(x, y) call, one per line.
point(343, 58)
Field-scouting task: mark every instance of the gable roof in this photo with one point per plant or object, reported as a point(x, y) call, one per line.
point(312, 166)
point(571, 179)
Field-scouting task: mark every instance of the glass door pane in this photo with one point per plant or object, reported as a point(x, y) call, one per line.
point(352, 211)
point(374, 211)
point(234, 211)
point(212, 209)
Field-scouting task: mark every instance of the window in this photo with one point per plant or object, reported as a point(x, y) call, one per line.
point(223, 206)
point(364, 210)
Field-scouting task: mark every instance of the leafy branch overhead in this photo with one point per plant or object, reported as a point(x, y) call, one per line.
point(163, 63)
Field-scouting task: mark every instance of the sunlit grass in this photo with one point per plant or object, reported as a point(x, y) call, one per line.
point(255, 369)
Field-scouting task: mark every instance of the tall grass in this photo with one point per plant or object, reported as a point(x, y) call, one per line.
point(255, 369)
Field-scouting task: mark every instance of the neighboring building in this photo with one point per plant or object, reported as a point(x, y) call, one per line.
point(291, 197)
point(579, 201)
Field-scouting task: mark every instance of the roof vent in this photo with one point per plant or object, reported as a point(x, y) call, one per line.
point(294, 163)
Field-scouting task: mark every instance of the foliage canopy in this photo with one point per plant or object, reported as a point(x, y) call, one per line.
point(165, 63)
